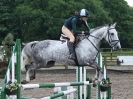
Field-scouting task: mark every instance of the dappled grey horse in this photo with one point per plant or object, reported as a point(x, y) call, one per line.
point(47, 53)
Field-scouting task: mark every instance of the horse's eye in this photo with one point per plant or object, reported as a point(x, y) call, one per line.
point(112, 34)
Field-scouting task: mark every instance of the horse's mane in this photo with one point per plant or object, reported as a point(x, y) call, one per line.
point(95, 29)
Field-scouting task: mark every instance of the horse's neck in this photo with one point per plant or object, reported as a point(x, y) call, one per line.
point(93, 41)
point(97, 36)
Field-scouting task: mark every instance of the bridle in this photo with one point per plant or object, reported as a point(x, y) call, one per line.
point(110, 40)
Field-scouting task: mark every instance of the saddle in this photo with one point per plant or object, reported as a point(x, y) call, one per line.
point(64, 38)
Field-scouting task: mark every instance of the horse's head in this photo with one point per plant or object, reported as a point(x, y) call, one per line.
point(112, 37)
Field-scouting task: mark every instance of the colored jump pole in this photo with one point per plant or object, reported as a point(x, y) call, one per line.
point(52, 85)
point(53, 96)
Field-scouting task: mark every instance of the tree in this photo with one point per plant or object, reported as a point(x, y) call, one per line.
point(42, 19)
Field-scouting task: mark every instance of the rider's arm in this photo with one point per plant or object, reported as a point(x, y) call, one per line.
point(86, 24)
point(74, 27)
point(76, 31)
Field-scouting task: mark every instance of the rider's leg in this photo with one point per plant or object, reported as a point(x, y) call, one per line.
point(71, 50)
point(70, 44)
point(68, 33)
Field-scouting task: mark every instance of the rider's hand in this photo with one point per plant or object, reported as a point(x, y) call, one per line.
point(87, 32)
point(83, 32)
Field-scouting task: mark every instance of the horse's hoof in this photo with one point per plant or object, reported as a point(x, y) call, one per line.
point(24, 82)
point(109, 84)
point(104, 88)
point(95, 82)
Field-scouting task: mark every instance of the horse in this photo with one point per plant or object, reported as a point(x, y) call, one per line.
point(47, 53)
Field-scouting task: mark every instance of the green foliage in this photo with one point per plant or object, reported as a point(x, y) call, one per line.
point(98, 16)
point(42, 19)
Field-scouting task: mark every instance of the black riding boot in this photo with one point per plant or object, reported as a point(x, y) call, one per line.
point(71, 50)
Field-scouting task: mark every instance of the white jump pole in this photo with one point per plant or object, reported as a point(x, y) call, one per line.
point(13, 67)
point(103, 94)
point(62, 93)
point(69, 96)
point(52, 85)
point(85, 87)
point(8, 75)
point(56, 90)
point(81, 79)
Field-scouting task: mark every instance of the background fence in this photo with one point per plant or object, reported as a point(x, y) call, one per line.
point(110, 57)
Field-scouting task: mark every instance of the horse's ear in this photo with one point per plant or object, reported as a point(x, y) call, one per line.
point(114, 24)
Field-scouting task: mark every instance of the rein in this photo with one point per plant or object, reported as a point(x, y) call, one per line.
point(94, 36)
point(98, 51)
point(86, 37)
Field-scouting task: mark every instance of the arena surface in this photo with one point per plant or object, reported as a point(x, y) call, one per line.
point(122, 82)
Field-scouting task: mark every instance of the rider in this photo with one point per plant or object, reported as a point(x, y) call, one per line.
point(72, 27)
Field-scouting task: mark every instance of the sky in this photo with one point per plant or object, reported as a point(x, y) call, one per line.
point(130, 2)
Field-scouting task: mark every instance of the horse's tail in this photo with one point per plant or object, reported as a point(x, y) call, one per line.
point(26, 54)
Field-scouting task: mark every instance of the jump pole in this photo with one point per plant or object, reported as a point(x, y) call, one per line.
point(52, 85)
point(106, 94)
point(83, 92)
point(59, 94)
point(69, 96)
point(99, 95)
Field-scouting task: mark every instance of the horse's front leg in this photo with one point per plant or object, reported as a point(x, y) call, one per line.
point(99, 74)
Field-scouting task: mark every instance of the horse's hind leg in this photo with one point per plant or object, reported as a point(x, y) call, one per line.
point(33, 74)
point(27, 77)
point(30, 74)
